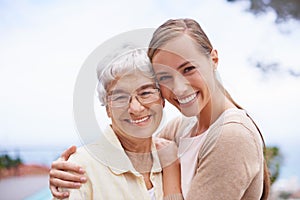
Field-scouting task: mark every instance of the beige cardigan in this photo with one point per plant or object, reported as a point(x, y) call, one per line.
point(110, 173)
point(230, 162)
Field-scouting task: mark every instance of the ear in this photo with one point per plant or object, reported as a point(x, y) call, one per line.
point(214, 58)
point(108, 111)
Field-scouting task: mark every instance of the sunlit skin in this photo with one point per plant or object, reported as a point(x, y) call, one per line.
point(135, 122)
point(187, 80)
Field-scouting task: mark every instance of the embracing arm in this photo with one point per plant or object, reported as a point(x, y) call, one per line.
point(65, 175)
point(171, 181)
point(167, 152)
point(229, 165)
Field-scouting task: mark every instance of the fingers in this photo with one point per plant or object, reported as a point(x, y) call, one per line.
point(67, 153)
point(66, 166)
point(167, 151)
point(57, 194)
point(62, 179)
point(64, 184)
point(161, 143)
point(66, 176)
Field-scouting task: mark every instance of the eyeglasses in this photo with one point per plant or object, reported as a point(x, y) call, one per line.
point(144, 96)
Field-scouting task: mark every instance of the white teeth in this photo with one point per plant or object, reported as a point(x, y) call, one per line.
point(139, 120)
point(187, 99)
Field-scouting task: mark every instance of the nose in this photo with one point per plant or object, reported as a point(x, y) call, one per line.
point(135, 106)
point(180, 85)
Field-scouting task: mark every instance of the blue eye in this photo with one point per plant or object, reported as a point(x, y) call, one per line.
point(164, 78)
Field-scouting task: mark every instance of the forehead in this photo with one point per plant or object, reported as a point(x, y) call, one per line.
point(177, 51)
point(130, 82)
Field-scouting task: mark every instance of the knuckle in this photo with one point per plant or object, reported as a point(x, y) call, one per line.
point(53, 164)
point(51, 173)
point(64, 165)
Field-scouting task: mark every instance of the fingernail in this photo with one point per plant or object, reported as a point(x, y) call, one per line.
point(81, 170)
point(82, 179)
point(77, 184)
point(66, 194)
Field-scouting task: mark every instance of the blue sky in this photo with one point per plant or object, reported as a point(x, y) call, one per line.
point(44, 44)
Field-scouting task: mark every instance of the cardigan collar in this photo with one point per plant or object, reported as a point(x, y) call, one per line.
point(109, 151)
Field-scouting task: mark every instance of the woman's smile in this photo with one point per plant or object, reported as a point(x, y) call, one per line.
point(141, 121)
point(184, 101)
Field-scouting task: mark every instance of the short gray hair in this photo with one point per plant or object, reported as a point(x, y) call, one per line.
point(123, 61)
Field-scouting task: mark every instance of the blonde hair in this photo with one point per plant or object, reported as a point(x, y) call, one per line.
point(174, 28)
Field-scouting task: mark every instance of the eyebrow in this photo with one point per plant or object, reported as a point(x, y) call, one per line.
point(146, 86)
point(140, 88)
point(117, 91)
point(183, 64)
point(180, 66)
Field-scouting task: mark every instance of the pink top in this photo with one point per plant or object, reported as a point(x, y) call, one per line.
point(188, 153)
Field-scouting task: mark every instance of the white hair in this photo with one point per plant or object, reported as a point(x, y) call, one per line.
point(125, 60)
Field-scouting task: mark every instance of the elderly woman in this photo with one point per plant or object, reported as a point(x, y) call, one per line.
point(124, 163)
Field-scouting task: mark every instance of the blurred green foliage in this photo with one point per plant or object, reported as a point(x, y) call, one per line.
point(7, 162)
point(284, 9)
point(274, 161)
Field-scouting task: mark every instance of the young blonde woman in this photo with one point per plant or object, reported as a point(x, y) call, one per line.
point(220, 147)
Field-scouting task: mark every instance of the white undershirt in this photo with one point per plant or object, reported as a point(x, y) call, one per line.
point(151, 193)
point(188, 152)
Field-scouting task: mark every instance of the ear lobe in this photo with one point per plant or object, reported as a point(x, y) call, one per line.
point(214, 58)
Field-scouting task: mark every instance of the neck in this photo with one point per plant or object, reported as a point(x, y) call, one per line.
point(133, 144)
point(212, 111)
point(138, 151)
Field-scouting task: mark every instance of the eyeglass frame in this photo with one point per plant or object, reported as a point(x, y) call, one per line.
point(136, 96)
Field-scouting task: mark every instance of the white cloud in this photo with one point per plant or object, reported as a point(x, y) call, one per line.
point(292, 185)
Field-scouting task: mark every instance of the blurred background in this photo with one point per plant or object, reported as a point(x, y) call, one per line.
point(43, 45)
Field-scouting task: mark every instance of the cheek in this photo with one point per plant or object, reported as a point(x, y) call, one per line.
point(165, 92)
point(158, 110)
point(197, 80)
point(206, 75)
point(115, 114)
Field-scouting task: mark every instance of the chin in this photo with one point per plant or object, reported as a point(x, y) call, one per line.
point(140, 132)
point(190, 112)
point(143, 133)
